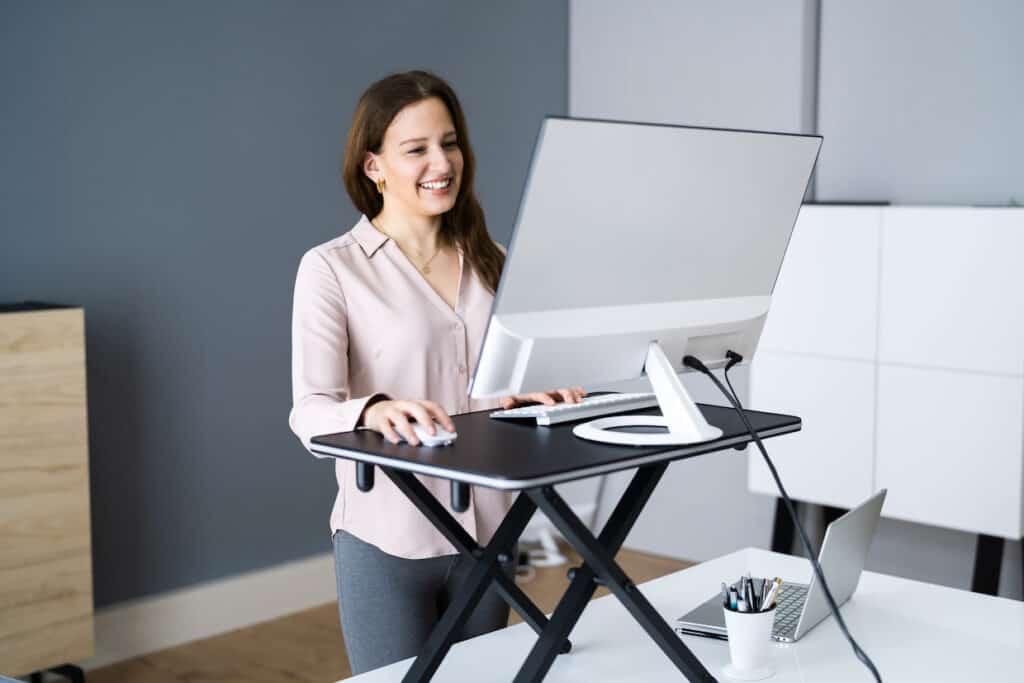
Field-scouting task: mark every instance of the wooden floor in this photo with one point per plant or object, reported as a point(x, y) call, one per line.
point(308, 647)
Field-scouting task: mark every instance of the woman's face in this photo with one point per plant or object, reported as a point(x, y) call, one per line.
point(419, 160)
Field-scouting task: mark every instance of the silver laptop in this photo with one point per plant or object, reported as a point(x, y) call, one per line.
point(800, 607)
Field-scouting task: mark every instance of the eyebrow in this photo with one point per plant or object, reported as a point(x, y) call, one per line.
point(405, 142)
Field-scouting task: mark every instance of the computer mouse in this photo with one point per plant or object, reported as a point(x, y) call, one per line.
point(442, 438)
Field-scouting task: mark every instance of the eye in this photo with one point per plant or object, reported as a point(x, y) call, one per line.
point(416, 150)
point(451, 144)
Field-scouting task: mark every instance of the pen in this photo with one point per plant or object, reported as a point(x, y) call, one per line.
point(733, 598)
point(773, 592)
point(725, 595)
point(742, 606)
point(764, 593)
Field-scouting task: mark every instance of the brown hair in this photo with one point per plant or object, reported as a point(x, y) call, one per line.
point(464, 225)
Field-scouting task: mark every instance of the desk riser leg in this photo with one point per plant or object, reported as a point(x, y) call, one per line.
point(515, 598)
point(432, 509)
point(583, 584)
point(561, 624)
point(481, 573)
point(597, 557)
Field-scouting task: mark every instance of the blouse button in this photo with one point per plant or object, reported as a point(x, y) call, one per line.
point(462, 369)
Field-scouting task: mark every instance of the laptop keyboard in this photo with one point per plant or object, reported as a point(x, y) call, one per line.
point(788, 606)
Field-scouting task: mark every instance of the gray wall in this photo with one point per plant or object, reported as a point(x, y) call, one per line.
point(921, 101)
point(165, 165)
point(754, 65)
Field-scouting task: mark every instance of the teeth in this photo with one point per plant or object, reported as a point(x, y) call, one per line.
point(437, 184)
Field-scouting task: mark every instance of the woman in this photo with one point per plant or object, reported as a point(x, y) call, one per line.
point(387, 325)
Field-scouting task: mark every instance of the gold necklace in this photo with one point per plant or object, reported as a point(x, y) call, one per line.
point(425, 268)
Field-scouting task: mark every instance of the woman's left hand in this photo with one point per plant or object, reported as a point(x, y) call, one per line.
point(548, 398)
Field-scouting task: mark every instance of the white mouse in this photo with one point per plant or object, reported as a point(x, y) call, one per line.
point(442, 438)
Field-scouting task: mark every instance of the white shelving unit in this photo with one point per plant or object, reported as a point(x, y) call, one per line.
point(897, 333)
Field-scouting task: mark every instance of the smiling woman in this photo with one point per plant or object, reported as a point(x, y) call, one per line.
point(387, 325)
point(409, 131)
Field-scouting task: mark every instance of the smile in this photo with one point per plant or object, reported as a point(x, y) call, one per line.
point(436, 184)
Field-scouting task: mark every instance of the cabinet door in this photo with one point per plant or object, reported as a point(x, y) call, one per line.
point(949, 448)
point(952, 283)
point(830, 461)
point(45, 556)
point(825, 299)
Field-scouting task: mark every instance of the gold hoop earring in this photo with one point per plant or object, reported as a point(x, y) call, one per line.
point(380, 186)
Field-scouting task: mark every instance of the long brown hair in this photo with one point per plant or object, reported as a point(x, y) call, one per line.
point(464, 225)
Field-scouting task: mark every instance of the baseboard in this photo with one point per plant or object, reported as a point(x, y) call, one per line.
point(138, 627)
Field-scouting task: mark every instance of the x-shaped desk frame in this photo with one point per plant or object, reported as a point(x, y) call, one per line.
point(599, 567)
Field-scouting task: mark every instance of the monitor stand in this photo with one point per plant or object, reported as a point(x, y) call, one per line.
point(679, 414)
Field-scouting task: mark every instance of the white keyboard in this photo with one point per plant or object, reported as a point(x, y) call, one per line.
point(590, 407)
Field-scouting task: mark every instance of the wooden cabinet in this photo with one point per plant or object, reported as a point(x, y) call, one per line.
point(46, 601)
point(898, 334)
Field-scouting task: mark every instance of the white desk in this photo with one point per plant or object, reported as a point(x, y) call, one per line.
point(912, 631)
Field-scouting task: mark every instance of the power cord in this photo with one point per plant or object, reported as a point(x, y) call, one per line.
point(730, 393)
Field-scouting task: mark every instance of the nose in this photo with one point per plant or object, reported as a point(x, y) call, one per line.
point(440, 161)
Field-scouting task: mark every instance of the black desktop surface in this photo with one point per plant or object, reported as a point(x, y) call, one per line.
point(518, 454)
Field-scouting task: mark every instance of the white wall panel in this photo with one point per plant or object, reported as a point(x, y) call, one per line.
point(830, 461)
point(953, 280)
point(950, 449)
point(825, 300)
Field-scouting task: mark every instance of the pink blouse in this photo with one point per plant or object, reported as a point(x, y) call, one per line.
point(364, 322)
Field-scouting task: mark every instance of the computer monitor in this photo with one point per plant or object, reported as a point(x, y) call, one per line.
point(635, 245)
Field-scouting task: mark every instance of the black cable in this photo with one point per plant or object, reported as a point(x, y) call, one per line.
point(734, 358)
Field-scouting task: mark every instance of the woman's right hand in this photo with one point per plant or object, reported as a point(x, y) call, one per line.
point(392, 418)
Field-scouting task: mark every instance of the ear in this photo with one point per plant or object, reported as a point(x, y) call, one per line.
point(371, 167)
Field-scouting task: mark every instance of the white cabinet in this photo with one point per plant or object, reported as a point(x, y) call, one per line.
point(831, 397)
point(825, 299)
point(949, 448)
point(897, 334)
point(816, 358)
point(953, 289)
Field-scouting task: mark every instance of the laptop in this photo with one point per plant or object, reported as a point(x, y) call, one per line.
point(800, 607)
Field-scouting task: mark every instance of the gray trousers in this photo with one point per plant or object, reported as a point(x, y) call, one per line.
point(389, 605)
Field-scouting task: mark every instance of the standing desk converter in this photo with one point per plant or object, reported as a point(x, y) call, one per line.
point(523, 457)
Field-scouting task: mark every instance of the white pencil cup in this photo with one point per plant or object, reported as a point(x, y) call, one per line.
point(750, 644)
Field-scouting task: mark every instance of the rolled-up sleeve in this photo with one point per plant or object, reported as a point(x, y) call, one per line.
point(321, 396)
